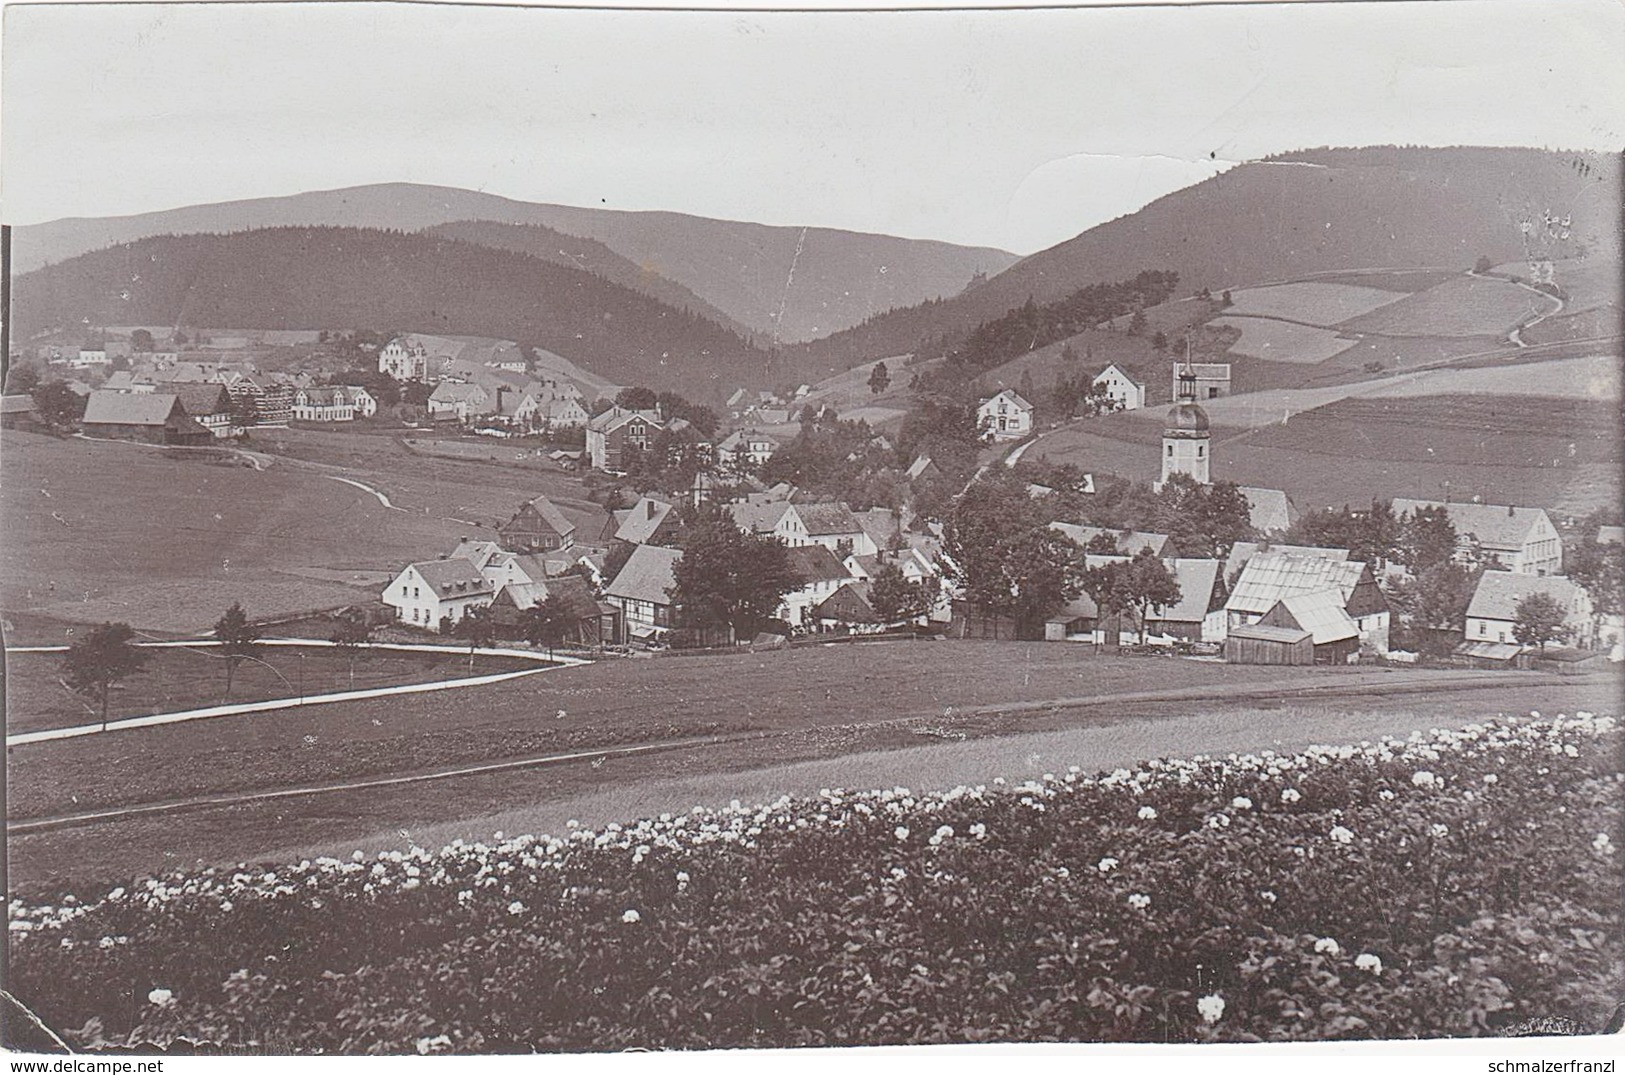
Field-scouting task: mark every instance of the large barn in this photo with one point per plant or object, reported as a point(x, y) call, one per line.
point(152, 418)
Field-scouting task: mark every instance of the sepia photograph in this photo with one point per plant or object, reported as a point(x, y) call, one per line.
point(578, 530)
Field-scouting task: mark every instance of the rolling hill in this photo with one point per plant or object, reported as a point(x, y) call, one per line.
point(1295, 215)
point(351, 277)
point(786, 282)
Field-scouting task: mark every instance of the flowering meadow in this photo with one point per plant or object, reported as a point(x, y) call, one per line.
point(1447, 884)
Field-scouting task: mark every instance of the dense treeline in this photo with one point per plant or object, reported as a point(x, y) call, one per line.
point(299, 277)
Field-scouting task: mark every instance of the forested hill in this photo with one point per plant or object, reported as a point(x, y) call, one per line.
point(1289, 216)
point(352, 277)
point(550, 244)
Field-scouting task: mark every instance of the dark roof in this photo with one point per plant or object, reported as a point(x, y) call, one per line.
point(452, 578)
point(200, 397)
point(649, 575)
point(576, 594)
point(129, 408)
point(550, 515)
point(1187, 417)
point(815, 563)
point(1499, 593)
point(829, 518)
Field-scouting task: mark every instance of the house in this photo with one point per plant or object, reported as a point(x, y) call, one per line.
point(1126, 542)
point(1269, 511)
point(883, 526)
point(563, 414)
point(745, 449)
point(126, 381)
point(829, 524)
point(152, 418)
point(1258, 643)
point(615, 434)
point(274, 405)
point(757, 516)
point(916, 566)
point(1211, 380)
point(366, 405)
point(848, 608)
point(479, 553)
point(1268, 577)
point(1334, 638)
point(820, 575)
point(1243, 551)
point(426, 593)
point(922, 469)
point(1611, 535)
point(1121, 388)
point(1522, 540)
point(1494, 608)
point(460, 400)
point(591, 622)
point(210, 404)
point(1005, 416)
point(538, 524)
point(404, 359)
point(642, 591)
point(91, 356)
point(1198, 615)
point(648, 522)
point(17, 412)
point(322, 405)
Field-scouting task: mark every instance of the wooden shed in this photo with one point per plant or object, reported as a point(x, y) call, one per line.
point(1258, 643)
point(1333, 633)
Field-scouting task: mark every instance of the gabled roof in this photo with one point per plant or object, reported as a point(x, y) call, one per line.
point(880, 524)
point(550, 514)
point(534, 566)
point(201, 398)
point(456, 392)
point(616, 417)
point(757, 517)
point(1263, 632)
point(1268, 577)
point(129, 408)
point(17, 404)
point(1268, 509)
point(647, 576)
point(918, 467)
point(815, 563)
point(827, 519)
point(742, 437)
point(1128, 543)
point(1495, 526)
point(1242, 551)
point(849, 604)
point(642, 520)
point(478, 553)
point(1014, 396)
point(1196, 578)
point(1320, 612)
point(452, 578)
point(1125, 374)
point(1499, 592)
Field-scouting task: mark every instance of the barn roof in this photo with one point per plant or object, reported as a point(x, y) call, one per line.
point(478, 553)
point(129, 408)
point(1495, 526)
point(551, 515)
point(452, 578)
point(1321, 614)
point(757, 518)
point(17, 404)
point(1499, 592)
point(815, 563)
point(1268, 577)
point(649, 575)
point(827, 519)
point(1243, 551)
point(1196, 578)
point(1268, 509)
point(1261, 632)
point(641, 520)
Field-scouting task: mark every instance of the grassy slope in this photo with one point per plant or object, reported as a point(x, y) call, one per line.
point(167, 541)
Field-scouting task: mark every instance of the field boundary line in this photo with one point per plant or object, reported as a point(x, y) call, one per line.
point(206, 801)
point(267, 705)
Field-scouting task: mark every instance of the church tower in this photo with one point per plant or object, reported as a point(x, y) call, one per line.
point(1186, 441)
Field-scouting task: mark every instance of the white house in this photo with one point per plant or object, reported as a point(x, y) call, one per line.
point(323, 405)
point(1493, 610)
point(1521, 540)
point(745, 448)
point(1005, 416)
point(404, 359)
point(1120, 387)
point(365, 404)
point(831, 525)
point(452, 399)
point(820, 573)
point(425, 593)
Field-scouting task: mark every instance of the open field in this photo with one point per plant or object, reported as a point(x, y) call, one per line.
point(849, 745)
point(166, 540)
point(1404, 281)
point(1462, 306)
point(178, 679)
point(1284, 341)
point(1317, 302)
point(1515, 448)
point(1590, 283)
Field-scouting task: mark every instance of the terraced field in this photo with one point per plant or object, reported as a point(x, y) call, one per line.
point(1462, 306)
point(1284, 341)
point(1314, 302)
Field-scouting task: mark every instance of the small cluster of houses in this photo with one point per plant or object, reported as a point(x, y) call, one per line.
point(484, 382)
point(1006, 415)
point(199, 405)
point(614, 434)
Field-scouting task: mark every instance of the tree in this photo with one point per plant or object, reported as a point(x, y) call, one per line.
point(100, 659)
point(896, 598)
point(637, 398)
point(1136, 324)
point(1483, 264)
point(1159, 341)
point(547, 622)
point(1598, 568)
point(615, 559)
point(237, 639)
point(1426, 537)
point(1104, 543)
point(1137, 585)
point(880, 379)
point(20, 380)
point(58, 406)
point(1005, 555)
point(478, 627)
point(1202, 520)
point(726, 578)
point(350, 633)
point(141, 341)
point(1538, 619)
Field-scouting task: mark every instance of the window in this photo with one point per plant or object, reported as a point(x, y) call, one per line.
point(1198, 451)
point(1212, 393)
point(1170, 451)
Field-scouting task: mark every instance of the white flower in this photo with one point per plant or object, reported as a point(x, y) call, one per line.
point(516, 907)
point(1267, 896)
point(1139, 901)
point(1341, 835)
point(1422, 778)
point(946, 832)
point(1385, 795)
point(1148, 813)
point(898, 873)
point(1327, 945)
point(1107, 865)
point(1367, 962)
point(979, 831)
point(1290, 795)
point(682, 877)
point(1218, 821)
point(1439, 831)
point(426, 1044)
point(1491, 778)
point(161, 997)
point(1602, 844)
point(630, 916)
point(1241, 802)
point(901, 832)
point(1211, 1008)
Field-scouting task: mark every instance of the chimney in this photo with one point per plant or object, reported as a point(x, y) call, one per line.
point(649, 509)
point(1511, 511)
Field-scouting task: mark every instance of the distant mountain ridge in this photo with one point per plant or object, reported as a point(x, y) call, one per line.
point(784, 283)
point(1285, 217)
point(303, 277)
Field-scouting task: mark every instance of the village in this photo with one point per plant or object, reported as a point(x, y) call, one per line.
point(1469, 583)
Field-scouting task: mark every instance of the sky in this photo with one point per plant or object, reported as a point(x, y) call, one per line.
point(1012, 129)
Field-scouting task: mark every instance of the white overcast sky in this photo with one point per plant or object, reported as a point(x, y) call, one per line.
point(1014, 129)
